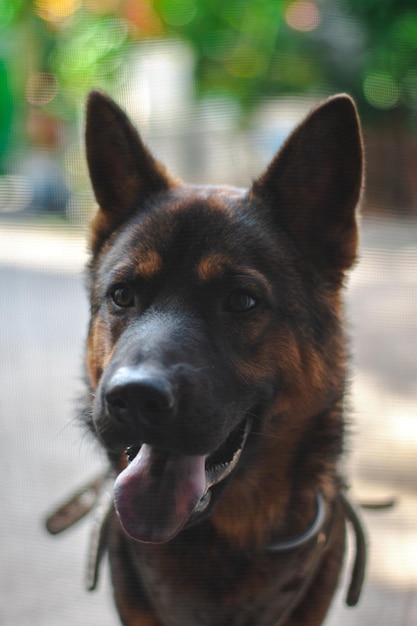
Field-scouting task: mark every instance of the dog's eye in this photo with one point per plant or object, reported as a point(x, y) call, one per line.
point(123, 296)
point(240, 302)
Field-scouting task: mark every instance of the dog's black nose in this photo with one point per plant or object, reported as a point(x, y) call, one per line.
point(141, 394)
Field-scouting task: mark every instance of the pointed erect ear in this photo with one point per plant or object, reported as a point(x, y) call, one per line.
point(314, 183)
point(122, 170)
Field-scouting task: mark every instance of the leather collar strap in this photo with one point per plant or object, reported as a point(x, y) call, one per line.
point(319, 531)
point(97, 495)
point(359, 562)
point(312, 531)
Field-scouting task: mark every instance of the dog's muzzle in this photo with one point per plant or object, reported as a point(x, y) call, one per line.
point(162, 488)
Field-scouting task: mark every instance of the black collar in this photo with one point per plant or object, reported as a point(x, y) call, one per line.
point(313, 530)
point(320, 529)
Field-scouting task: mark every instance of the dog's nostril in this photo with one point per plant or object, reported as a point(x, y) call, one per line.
point(117, 402)
point(154, 399)
point(153, 406)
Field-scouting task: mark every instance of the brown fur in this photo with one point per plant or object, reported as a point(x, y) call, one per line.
point(242, 291)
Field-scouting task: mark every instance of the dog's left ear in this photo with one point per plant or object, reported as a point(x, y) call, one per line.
point(314, 183)
point(122, 170)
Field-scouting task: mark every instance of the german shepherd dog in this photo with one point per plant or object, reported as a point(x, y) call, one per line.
point(216, 369)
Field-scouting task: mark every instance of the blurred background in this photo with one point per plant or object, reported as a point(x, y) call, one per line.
point(215, 87)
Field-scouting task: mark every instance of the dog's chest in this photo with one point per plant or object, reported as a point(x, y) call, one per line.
point(261, 591)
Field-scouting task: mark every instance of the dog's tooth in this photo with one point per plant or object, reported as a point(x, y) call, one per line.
point(131, 452)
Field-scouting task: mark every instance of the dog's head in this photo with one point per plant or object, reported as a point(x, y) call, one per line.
point(212, 308)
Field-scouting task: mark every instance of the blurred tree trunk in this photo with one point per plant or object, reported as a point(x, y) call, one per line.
point(391, 168)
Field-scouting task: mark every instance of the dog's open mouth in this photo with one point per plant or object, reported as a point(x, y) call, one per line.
point(158, 492)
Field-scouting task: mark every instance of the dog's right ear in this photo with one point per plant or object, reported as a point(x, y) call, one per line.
point(122, 171)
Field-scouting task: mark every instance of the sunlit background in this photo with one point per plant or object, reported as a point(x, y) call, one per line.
point(215, 87)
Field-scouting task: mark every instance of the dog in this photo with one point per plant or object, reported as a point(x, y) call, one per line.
point(216, 369)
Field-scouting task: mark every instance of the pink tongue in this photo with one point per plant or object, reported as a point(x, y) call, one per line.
point(157, 492)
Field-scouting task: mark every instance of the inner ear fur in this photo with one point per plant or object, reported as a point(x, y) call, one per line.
point(313, 185)
point(122, 170)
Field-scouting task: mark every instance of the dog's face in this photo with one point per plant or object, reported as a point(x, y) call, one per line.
point(213, 309)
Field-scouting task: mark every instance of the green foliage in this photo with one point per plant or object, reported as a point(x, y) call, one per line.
point(246, 49)
point(388, 71)
point(10, 11)
point(89, 52)
point(251, 49)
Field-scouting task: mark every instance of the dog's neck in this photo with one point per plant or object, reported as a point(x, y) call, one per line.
point(315, 530)
point(316, 533)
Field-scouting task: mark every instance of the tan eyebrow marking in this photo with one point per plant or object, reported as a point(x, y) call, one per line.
point(215, 265)
point(149, 265)
point(212, 266)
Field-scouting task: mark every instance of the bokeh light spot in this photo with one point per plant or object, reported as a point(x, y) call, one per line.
point(41, 88)
point(302, 15)
point(381, 90)
point(55, 10)
point(179, 13)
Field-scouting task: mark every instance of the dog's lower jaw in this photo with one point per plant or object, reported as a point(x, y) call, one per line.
point(218, 470)
point(220, 465)
point(160, 492)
